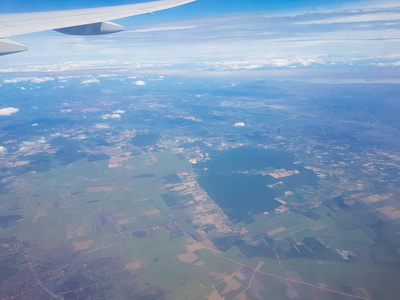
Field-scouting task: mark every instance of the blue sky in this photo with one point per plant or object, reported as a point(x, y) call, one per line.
point(293, 38)
point(202, 7)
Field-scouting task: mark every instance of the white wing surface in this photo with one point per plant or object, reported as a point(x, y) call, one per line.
point(79, 21)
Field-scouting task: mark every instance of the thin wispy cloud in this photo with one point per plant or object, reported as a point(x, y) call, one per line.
point(357, 18)
point(101, 126)
point(165, 28)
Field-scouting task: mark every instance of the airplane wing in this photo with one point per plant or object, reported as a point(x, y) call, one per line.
point(90, 21)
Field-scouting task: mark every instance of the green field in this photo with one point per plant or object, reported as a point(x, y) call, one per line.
point(101, 216)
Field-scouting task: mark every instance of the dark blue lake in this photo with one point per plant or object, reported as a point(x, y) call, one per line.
point(243, 195)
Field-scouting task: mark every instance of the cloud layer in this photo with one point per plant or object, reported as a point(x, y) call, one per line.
point(350, 37)
point(28, 79)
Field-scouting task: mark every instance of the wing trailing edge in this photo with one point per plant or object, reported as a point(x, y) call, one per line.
point(92, 29)
point(9, 47)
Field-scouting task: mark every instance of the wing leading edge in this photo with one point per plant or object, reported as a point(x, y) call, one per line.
point(78, 21)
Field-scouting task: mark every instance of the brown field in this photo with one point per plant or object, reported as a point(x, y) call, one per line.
point(116, 165)
point(152, 212)
point(232, 285)
point(188, 257)
point(210, 246)
point(241, 297)
point(101, 189)
point(133, 265)
point(215, 296)
point(78, 232)
point(116, 159)
point(39, 214)
point(141, 200)
point(123, 221)
point(179, 188)
point(390, 211)
point(259, 266)
point(294, 276)
point(280, 173)
point(83, 245)
point(200, 263)
point(243, 230)
point(275, 184)
point(375, 198)
point(276, 230)
point(194, 247)
point(281, 201)
point(281, 209)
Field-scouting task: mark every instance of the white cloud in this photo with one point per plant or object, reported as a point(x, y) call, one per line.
point(107, 75)
point(120, 111)
point(101, 126)
point(26, 145)
point(35, 124)
point(239, 124)
point(191, 118)
point(268, 61)
point(31, 79)
point(389, 64)
point(3, 150)
point(8, 111)
point(164, 28)
point(89, 81)
point(58, 134)
point(80, 137)
point(372, 17)
point(66, 110)
point(140, 82)
point(40, 80)
point(65, 77)
point(111, 116)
